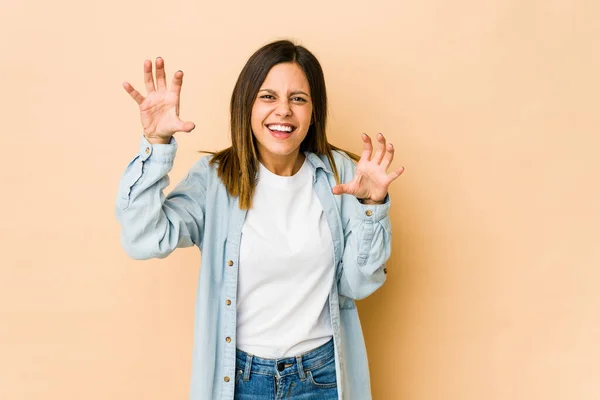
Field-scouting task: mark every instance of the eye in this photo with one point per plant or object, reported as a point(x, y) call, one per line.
point(267, 97)
point(299, 99)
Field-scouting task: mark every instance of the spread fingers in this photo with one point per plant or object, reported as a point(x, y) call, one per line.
point(133, 93)
point(148, 78)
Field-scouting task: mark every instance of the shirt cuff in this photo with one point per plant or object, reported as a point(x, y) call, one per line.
point(161, 153)
point(375, 212)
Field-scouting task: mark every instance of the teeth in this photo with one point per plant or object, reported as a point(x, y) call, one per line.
point(280, 128)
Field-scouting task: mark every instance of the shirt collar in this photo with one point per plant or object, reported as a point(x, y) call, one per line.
point(316, 162)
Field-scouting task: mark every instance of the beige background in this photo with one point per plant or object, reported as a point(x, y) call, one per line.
point(493, 109)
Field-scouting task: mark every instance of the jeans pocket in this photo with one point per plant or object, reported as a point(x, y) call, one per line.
point(323, 376)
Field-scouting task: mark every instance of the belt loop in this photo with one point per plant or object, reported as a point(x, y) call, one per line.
point(300, 368)
point(248, 367)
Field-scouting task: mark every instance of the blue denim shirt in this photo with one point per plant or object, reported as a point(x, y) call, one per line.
point(200, 212)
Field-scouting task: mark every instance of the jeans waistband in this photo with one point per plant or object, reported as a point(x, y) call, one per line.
point(248, 363)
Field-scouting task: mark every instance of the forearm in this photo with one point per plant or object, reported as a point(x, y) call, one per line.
point(367, 248)
point(152, 226)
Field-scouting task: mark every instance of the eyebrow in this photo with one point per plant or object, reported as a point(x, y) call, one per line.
point(292, 93)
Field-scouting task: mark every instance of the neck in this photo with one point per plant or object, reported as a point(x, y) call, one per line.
point(286, 165)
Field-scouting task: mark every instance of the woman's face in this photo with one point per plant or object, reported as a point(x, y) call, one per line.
point(281, 113)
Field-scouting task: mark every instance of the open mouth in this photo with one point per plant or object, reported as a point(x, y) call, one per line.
point(281, 130)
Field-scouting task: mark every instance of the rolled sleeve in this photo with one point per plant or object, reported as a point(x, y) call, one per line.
point(160, 153)
point(153, 225)
point(163, 154)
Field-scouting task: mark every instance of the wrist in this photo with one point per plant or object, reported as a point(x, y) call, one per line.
point(157, 140)
point(369, 201)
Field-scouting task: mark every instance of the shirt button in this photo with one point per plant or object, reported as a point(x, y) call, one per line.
point(230, 263)
point(228, 339)
point(226, 379)
point(147, 150)
point(228, 302)
point(369, 213)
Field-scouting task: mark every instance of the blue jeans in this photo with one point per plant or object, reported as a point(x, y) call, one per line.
point(309, 376)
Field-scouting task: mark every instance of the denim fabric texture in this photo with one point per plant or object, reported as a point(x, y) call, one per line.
point(200, 212)
point(309, 376)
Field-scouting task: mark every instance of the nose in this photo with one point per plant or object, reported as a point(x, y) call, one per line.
point(283, 108)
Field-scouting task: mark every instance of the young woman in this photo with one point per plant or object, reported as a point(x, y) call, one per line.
point(290, 229)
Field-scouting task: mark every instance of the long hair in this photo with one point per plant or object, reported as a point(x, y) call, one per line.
point(238, 165)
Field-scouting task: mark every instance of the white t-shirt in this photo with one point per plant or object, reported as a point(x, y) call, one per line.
point(286, 268)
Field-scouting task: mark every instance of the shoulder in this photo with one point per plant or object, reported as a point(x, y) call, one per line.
point(204, 165)
point(342, 159)
point(203, 170)
point(344, 164)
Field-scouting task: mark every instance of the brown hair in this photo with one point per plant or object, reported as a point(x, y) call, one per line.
point(238, 165)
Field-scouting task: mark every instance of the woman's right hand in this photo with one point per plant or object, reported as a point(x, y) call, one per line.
point(159, 110)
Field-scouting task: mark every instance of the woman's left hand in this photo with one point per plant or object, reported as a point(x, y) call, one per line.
point(371, 181)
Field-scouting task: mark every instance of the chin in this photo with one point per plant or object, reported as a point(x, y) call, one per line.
point(279, 151)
